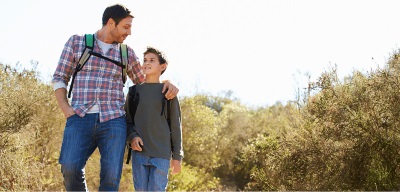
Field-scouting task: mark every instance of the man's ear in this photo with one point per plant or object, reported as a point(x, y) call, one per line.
point(110, 22)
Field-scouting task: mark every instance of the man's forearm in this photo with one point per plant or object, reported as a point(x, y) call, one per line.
point(61, 96)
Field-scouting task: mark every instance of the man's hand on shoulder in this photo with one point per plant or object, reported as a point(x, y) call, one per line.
point(172, 90)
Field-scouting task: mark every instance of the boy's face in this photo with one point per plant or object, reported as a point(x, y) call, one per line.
point(151, 64)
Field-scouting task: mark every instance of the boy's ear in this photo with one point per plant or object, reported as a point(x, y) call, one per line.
point(164, 66)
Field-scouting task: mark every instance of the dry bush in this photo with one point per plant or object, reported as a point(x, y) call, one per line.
point(347, 138)
point(30, 131)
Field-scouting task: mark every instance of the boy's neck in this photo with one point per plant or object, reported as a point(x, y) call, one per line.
point(152, 79)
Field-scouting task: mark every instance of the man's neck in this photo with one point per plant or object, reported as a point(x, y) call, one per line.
point(104, 35)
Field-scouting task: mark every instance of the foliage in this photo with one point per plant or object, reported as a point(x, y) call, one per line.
point(192, 179)
point(256, 163)
point(358, 119)
point(347, 138)
point(339, 135)
point(199, 134)
point(28, 118)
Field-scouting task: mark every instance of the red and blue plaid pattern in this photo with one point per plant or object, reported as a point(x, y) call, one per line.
point(100, 81)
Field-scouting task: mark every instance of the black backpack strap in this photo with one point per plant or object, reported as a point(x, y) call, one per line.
point(169, 121)
point(168, 109)
point(123, 51)
point(128, 158)
point(89, 42)
point(133, 101)
point(133, 97)
point(168, 115)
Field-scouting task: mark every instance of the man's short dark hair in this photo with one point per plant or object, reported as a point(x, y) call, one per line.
point(116, 12)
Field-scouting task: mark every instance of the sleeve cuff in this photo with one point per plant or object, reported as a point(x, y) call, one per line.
point(58, 85)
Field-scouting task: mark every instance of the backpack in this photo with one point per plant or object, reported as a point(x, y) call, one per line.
point(133, 97)
point(88, 51)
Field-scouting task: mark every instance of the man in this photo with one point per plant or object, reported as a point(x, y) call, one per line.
point(96, 116)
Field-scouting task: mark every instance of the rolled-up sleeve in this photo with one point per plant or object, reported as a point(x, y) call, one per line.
point(58, 85)
point(135, 71)
point(65, 65)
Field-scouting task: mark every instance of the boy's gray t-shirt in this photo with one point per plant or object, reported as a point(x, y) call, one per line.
point(152, 126)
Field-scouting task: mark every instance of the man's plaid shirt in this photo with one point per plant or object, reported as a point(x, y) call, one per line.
point(100, 81)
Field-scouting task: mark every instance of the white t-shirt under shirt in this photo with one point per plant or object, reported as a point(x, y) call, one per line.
point(104, 48)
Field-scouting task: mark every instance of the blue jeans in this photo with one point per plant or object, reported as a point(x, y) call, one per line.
point(149, 174)
point(82, 135)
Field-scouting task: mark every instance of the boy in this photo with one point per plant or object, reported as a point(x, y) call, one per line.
point(149, 136)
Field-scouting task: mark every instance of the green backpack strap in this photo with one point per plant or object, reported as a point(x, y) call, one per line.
point(124, 58)
point(89, 40)
point(86, 53)
point(89, 44)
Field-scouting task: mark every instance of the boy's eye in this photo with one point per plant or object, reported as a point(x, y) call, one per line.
point(150, 61)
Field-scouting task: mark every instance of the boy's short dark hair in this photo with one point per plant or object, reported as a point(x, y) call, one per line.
point(161, 55)
point(116, 12)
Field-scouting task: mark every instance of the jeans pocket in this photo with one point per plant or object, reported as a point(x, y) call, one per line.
point(70, 119)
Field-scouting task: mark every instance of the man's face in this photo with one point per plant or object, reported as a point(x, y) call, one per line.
point(122, 30)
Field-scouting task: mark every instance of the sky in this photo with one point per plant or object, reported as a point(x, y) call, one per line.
point(259, 50)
